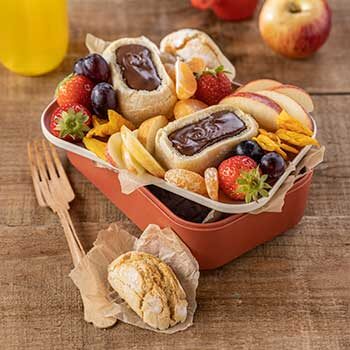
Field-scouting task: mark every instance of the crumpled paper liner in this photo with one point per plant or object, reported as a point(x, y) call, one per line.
point(102, 306)
point(95, 44)
point(308, 163)
point(130, 182)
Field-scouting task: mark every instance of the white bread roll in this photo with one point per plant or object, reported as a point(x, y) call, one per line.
point(210, 155)
point(150, 288)
point(139, 105)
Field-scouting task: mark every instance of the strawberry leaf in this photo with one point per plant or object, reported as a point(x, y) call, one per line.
point(253, 185)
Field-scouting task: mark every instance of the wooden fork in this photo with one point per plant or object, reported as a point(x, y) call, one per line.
point(53, 189)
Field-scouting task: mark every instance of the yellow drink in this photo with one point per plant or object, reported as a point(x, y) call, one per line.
point(33, 35)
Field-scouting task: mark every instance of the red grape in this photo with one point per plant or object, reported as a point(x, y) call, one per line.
point(273, 165)
point(94, 67)
point(249, 148)
point(103, 98)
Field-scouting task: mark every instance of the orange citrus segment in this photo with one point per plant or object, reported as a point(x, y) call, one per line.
point(184, 108)
point(196, 64)
point(186, 83)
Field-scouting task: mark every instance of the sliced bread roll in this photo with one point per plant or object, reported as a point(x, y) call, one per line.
point(204, 138)
point(143, 86)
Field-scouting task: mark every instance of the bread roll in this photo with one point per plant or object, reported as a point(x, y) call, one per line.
point(204, 138)
point(189, 43)
point(145, 89)
point(150, 288)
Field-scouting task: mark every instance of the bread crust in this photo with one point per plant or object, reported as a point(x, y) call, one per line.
point(139, 105)
point(209, 156)
point(188, 43)
point(150, 288)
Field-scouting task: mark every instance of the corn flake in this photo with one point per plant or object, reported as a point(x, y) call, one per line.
point(96, 146)
point(295, 138)
point(287, 122)
point(114, 124)
point(269, 145)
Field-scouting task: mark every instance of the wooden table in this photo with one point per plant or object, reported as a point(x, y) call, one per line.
point(291, 293)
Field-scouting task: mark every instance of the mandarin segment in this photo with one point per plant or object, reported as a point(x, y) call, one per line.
point(212, 183)
point(196, 64)
point(184, 108)
point(187, 180)
point(186, 83)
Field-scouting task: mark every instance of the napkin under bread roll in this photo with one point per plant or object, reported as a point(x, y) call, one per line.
point(139, 105)
point(150, 288)
point(211, 155)
point(189, 43)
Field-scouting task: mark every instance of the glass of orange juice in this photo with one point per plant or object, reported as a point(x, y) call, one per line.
point(33, 35)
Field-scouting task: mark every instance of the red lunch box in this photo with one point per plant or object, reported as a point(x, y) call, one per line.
point(213, 244)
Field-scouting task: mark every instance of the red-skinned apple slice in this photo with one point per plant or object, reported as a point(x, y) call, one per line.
point(264, 110)
point(260, 84)
point(296, 93)
point(293, 108)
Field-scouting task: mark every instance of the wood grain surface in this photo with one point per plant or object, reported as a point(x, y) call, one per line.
point(291, 293)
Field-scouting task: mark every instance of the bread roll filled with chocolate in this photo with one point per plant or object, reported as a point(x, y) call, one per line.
point(204, 138)
point(143, 86)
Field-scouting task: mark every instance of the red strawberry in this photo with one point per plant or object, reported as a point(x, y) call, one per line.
point(74, 89)
point(70, 122)
point(240, 179)
point(213, 86)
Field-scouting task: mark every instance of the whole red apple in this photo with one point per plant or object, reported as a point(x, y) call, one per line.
point(295, 28)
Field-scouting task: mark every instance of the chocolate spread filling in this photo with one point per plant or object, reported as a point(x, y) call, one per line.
point(193, 138)
point(138, 69)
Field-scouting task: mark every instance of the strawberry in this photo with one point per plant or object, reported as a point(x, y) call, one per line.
point(240, 179)
point(213, 86)
point(70, 122)
point(74, 89)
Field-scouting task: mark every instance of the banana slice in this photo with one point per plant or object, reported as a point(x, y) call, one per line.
point(131, 164)
point(140, 153)
point(114, 151)
point(148, 130)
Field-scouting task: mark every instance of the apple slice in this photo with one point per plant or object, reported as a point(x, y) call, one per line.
point(264, 110)
point(260, 84)
point(131, 164)
point(140, 153)
point(148, 129)
point(114, 151)
point(292, 107)
point(296, 93)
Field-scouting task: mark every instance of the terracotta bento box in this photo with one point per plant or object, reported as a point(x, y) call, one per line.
point(169, 137)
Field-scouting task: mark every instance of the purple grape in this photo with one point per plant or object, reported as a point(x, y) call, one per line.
point(249, 148)
point(94, 67)
point(103, 98)
point(273, 165)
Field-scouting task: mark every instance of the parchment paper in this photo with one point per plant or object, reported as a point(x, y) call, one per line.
point(102, 306)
